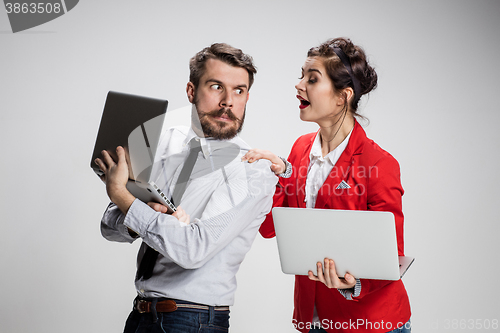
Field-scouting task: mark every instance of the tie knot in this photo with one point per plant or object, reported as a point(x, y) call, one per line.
point(195, 143)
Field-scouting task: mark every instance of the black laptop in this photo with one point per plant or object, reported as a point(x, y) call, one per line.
point(135, 123)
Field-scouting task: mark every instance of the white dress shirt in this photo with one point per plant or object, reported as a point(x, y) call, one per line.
point(320, 167)
point(227, 200)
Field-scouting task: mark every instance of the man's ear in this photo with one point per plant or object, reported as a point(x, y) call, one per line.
point(248, 96)
point(190, 92)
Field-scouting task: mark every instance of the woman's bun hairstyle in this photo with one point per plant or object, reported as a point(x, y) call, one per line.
point(338, 71)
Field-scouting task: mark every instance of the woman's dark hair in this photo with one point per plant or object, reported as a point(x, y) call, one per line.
point(225, 53)
point(338, 72)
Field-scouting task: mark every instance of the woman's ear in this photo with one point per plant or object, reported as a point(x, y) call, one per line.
point(345, 96)
point(349, 93)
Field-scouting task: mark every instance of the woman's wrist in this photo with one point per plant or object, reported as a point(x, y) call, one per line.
point(288, 169)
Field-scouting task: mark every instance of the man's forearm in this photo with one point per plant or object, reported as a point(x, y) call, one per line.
point(121, 197)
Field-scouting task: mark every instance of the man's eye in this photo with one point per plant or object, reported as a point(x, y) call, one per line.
point(216, 86)
point(239, 91)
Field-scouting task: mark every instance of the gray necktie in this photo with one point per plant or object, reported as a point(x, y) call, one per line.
point(187, 169)
point(145, 270)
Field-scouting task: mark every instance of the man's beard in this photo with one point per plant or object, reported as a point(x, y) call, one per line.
point(220, 130)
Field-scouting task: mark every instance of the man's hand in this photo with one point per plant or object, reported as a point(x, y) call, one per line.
point(116, 177)
point(330, 277)
point(158, 207)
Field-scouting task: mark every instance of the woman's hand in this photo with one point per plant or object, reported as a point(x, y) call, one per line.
point(278, 166)
point(180, 213)
point(330, 277)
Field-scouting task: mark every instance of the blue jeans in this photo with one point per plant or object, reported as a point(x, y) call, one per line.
point(406, 328)
point(179, 321)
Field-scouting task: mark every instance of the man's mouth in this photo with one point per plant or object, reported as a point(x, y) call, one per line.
point(220, 124)
point(304, 103)
point(224, 115)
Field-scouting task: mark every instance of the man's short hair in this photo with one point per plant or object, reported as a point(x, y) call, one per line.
point(225, 53)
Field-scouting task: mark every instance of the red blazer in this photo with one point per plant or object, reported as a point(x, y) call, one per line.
point(374, 179)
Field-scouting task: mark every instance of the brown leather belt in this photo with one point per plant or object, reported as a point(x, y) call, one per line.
point(169, 305)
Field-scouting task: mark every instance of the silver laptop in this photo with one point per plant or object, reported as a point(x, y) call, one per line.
point(135, 123)
point(362, 243)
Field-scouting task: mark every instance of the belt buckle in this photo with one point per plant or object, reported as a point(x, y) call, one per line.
point(141, 306)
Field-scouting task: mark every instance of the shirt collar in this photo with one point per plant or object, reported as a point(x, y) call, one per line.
point(316, 153)
point(316, 149)
point(203, 141)
point(209, 144)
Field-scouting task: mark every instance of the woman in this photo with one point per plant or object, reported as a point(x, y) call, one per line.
point(338, 167)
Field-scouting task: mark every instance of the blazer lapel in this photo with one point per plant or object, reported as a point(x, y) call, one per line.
point(343, 168)
point(302, 173)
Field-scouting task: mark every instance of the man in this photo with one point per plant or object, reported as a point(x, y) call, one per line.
point(187, 263)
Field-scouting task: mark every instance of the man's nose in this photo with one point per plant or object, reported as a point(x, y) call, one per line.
point(226, 100)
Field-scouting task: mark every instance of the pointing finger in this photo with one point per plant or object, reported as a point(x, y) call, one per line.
point(329, 277)
point(121, 154)
point(107, 158)
point(100, 164)
point(321, 277)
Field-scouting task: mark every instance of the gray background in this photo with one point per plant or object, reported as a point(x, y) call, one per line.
point(435, 110)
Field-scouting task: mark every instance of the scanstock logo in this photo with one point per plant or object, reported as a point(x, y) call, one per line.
point(28, 14)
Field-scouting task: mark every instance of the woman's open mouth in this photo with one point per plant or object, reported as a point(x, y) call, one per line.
point(303, 102)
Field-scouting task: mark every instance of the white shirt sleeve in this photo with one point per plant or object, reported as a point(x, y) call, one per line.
point(243, 201)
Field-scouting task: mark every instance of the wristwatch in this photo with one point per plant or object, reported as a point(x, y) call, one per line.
point(288, 170)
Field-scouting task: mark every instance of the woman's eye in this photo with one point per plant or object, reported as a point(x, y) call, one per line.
point(310, 80)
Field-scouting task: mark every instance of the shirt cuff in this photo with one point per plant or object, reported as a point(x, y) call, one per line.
point(351, 292)
point(140, 216)
point(124, 230)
